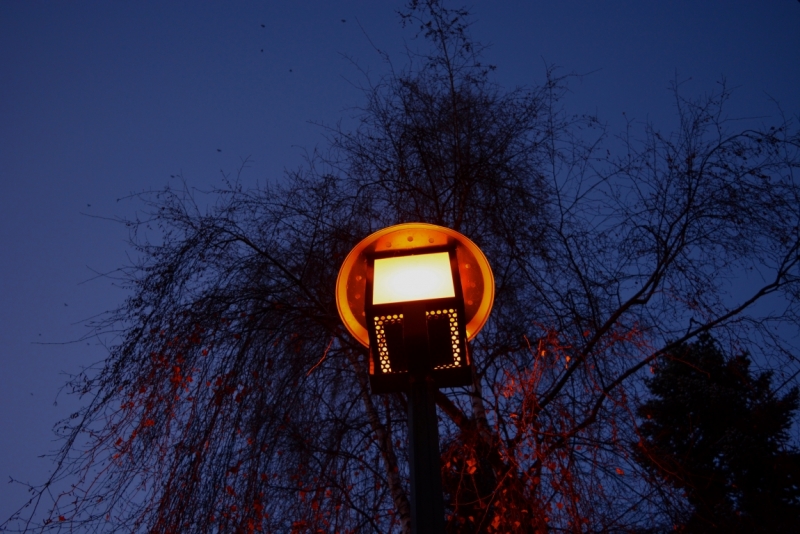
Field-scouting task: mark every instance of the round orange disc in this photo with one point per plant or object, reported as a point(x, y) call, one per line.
point(477, 281)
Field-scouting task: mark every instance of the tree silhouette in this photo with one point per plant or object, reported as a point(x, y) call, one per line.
point(720, 433)
point(233, 400)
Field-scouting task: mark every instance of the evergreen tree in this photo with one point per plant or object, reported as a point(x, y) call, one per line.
point(718, 431)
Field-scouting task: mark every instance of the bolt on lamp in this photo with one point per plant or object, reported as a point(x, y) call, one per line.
point(415, 294)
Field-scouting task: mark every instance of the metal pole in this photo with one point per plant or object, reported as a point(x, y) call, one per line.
point(427, 502)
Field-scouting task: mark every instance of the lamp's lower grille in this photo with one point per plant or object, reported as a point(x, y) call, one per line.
point(444, 346)
point(388, 327)
point(446, 323)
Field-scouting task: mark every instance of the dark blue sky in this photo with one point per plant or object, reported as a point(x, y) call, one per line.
point(99, 100)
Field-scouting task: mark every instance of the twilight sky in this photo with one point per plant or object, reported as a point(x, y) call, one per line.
point(99, 100)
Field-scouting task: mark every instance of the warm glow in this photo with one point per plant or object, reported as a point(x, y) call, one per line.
point(407, 278)
point(477, 282)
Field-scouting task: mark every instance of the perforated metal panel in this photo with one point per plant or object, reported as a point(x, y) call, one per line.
point(451, 315)
point(388, 333)
point(382, 323)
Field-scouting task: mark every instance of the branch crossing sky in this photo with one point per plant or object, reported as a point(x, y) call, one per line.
point(99, 100)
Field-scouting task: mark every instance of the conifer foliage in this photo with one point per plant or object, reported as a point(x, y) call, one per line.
point(720, 433)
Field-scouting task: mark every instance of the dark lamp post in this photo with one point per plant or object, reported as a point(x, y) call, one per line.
point(415, 294)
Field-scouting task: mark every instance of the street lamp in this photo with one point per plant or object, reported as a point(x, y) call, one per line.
point(415, 293)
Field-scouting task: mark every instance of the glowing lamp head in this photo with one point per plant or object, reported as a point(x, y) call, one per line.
point(415, 293)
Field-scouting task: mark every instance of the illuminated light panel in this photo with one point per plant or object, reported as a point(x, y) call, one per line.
point(409, 278)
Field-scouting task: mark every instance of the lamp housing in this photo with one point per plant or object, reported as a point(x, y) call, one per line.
point(414, 293)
